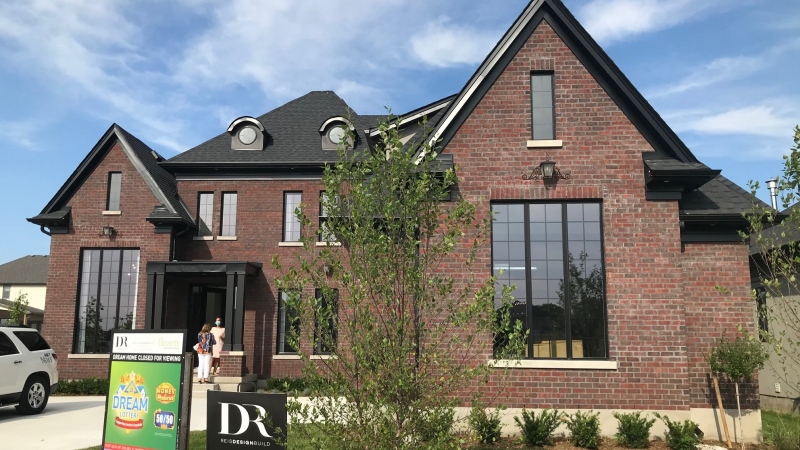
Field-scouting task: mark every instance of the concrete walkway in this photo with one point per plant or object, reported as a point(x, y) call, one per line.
point(70, 423)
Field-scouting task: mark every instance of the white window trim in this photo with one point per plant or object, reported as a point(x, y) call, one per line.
point(287, 357)
point(112, 213)
point(290, 244)
point(226, 238)
point(203, 238)
point(550, 143)
point(551, 364)
point(329, 244)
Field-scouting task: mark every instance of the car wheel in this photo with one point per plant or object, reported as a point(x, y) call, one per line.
point(34, 396)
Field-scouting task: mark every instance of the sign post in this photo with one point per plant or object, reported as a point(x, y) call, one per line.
point(146, 390)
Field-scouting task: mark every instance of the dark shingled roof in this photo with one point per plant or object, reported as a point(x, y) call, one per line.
point(719, 196)
point(659, 162)
point(293, 131)
point(165, 181)
point(30, 269)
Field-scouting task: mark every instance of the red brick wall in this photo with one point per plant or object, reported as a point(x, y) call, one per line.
point(259, 229)
point(136, 202)
point(646, 312)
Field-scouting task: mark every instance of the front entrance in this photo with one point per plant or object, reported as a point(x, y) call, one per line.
point(206, 303)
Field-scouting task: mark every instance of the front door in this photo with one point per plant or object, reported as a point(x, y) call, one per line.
point(206, 304)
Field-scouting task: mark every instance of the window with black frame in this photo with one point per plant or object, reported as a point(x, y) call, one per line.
point(114, 191)
point(205, 213)
point(552, 254)
point(325, 332)
point(107, 296)
point(288, 325)
point(229, 204)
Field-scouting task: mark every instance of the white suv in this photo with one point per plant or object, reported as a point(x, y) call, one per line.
point(28, 368)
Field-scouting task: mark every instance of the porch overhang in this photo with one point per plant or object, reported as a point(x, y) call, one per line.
point(235, 272)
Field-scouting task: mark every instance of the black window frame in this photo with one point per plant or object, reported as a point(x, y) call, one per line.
point(110, 191)
point(77, 335)
point(565, 259)
point(281, 344)
point(293, 215)
point(552, 77)
point(224, 213)
point(210, 215)
point(332, 326)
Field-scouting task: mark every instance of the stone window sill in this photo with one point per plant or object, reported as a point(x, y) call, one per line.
point(552, 364)
point(203, 238)
point(329, 244)
point(88, 356)
point(290, 244)
point(226, 238)
point(286, 357)
point(112, 213)
point(553, 143)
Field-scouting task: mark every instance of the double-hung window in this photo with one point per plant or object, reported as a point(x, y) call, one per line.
point(288, 326)
point(326, 318)
point(291, 224)
point(114, 191)
point(542, 109)
point(552, 253)
point(106, 301)
point(205, 213)
point(228, 225)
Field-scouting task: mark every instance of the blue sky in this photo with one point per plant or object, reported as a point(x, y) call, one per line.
point(722, 73)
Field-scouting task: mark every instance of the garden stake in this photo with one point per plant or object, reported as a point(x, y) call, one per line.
point(722, 412)
point(739, 408)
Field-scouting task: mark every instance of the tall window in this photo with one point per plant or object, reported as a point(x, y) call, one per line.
point(325, 235)
point(229, 200)
point(109, 279)
point(542, 111)
point(552, 253)
point(114, 191)
point(6, 292)
point(325, 333)
point(762, 311)
point(288, 325)
point(205, 213)
point(291, 224)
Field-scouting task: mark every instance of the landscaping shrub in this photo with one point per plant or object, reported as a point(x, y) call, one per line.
point(436, 425)
point(84, 386)
point(538, 431)
point(633, 430)
point(681, 435)
point(585, 429)
point(781, 430)
point(294, 386)
point(486, 426)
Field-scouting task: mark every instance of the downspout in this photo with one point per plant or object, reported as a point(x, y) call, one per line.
point(41, 228)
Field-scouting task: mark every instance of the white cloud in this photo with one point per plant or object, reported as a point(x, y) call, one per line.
point(21, 132)
point(614, 20)
point(718, 70)
point(762, 120)
point(442, 44)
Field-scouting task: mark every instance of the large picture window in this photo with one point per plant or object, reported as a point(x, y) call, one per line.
point(552, 254)
point(109, 280)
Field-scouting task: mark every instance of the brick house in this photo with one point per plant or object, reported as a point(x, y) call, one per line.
point(173, 243)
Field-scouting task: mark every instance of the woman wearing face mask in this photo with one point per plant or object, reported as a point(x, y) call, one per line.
point(219, 334)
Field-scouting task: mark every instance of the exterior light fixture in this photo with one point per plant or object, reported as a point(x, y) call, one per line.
point(109, 231)
point(548, 171)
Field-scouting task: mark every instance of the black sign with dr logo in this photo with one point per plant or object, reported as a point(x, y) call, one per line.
point(242, 420)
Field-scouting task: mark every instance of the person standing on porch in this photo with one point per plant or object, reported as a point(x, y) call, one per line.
point(204, 347)
point(219, 336)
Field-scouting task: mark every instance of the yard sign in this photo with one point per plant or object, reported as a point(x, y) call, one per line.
point(143, 405)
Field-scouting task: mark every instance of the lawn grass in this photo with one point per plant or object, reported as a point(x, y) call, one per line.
point(781, 430)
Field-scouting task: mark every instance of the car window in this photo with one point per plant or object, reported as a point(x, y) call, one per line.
point(32, 340)
point(6, 346)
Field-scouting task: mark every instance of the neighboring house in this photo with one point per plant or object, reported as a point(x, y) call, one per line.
point(142, 242)
point(26, 275)
point(779, 381)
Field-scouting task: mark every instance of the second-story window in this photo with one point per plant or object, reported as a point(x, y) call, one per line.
point(114, 191)
point(205, 213)
point(542, 109)
point(228, 226)
point(291, 224)
point(325, 234)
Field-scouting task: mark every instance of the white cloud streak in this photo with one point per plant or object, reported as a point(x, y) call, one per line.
point(610, 21)
point(443, 44)
point(766, 120)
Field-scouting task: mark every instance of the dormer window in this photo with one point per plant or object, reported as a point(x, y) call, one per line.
point(247, 133)
point(333, 132)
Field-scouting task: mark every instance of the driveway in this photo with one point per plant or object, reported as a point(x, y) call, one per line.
point(70, 423)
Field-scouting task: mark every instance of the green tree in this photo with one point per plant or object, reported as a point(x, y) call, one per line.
point(404, 334)
point(18, 310)
point(775, 243)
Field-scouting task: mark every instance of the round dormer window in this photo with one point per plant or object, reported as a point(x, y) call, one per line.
point(247, 135)
point(336, 134)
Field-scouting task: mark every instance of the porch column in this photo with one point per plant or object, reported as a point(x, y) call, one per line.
point(234, 312)
point(154, 302)
point(238, 343)
point(230, 323)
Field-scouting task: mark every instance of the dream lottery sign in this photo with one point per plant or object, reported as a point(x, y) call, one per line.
point(143, 406)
